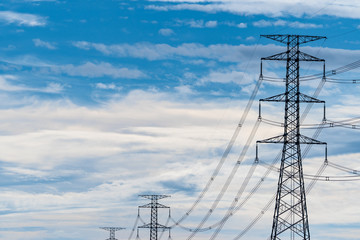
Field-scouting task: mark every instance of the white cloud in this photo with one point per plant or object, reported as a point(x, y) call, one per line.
point(82, 45)
point(231, 76)
point(7, 85)
point(220, 52)
point(242, 25)
point(22, 19)
point(233, 24)
point(197, 23)
point(277, 8)
point(251, 38)
point(40, 43)
point(305, 25)
point(95, 70)
point(88, 69)
point(241, 54)
point(110, 86)
point(166, 32)
point(53, 88)
point(282, 23)
point(262, 23)
point(211, 24)
point(95, 157)
point(184, 89)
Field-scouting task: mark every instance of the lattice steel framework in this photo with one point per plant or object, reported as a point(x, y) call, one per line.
point(112, 231)
point(290, 219)
point(154, 206)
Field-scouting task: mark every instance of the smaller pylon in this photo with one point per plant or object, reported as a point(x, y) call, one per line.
point(154, 226)
point(112, 231)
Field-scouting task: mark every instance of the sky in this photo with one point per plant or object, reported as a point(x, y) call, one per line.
point(102, 101)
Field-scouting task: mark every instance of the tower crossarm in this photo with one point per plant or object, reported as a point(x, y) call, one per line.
point(112, 228)
point(282, 98)
point(300, 56)
point(308, 58)
point(284, 38)
point(279, 57)
point(154, 197)
point(302, 140)
point(157, 225)
point(154, 205)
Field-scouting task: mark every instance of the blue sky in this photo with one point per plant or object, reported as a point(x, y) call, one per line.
point(101, 101)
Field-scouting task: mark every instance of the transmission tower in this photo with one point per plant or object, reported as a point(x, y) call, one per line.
point(290, 219)
point(154, 206)
point(112, 231)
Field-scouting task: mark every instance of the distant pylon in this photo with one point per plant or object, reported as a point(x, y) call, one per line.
point(154, 206)
point(112, 231)
point(290, 220)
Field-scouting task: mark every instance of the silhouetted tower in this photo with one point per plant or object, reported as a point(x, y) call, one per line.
point(154, 206)
point(290, 220)
point(112, 231)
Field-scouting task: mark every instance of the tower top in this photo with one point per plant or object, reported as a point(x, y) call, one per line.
point(155, 197)
point(112, 228)
point(284, 38)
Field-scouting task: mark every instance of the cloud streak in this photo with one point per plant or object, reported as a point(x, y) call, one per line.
point(282, 23)
point(277, 8)
point(220, 52)
point(87, 69)
point(22, 19)
point(96, 70)
point(6, 85)
point(40, 43)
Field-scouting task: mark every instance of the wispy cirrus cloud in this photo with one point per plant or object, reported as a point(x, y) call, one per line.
point(197, 23)
point(229, 76)
point(7, 85)
point(22, 19)
point(106, 86)
point(166, 32)
point(277, 8)
point(87, 69)
point(282, 23)
point(95, 70)
point(40, 43)
point(220, 52)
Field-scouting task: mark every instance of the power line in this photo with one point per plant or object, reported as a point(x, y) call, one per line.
point(225, 154)
point(229, 179)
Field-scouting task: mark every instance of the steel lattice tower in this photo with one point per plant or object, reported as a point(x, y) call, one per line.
point(290, 219)
point(154, 206)
point(112, 231)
